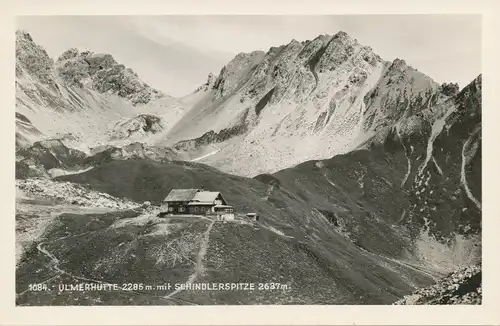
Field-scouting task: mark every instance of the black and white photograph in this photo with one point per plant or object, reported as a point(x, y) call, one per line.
point(214, 160)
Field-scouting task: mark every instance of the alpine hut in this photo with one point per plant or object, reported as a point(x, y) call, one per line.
point(178, 199)
point(198, 202)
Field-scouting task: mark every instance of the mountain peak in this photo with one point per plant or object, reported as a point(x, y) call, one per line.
point(344, 38)
point(68, 54)
point(103, 73)
point(22, 34)
point(210, 78)
point(32, 58)
point(341, 34)
point(209, 84)
point(98, 71)
point(398, 62)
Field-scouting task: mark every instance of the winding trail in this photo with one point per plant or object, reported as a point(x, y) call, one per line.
point(54, 265)
point(420, 269)
point(278, 232)
point(53, 259)
point(199, 268)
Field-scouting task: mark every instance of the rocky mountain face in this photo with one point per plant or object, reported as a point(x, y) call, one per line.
point(304, 100)
point(102, 73)
point(88, 93)
point(420, 188)
point(51, 158)
point(138, 127)
point(460, 287)
point(82, 101)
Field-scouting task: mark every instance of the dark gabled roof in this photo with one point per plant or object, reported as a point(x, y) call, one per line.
point(206, 196)
point(181, 194)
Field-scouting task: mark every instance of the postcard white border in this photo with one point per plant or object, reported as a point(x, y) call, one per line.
point(487, 313)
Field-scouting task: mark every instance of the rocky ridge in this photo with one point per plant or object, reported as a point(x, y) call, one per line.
point(81, 94)
point(305, 100)
point(459, 287)
point(102, 73)
point(138, 127)
point(70, 193)
point(51, 157)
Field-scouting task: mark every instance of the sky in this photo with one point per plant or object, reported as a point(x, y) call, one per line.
point(175, 54)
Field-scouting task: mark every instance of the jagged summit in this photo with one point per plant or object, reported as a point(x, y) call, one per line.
point(208, 85)
point(83, 92)
point(398, 64)
point(343, 36)
point(32, 59)
point(330, 92)
point(21, 33)
point(97, 71)
point(101, 72)
point(68, 54)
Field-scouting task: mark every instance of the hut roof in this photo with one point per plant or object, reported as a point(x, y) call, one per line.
point(181, 194)
point(206, 196)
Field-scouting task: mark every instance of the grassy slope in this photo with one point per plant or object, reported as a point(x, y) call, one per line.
point(99, 247)
point(319, 264)
point(346, 219)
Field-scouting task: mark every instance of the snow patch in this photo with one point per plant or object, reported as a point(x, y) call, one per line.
point(206, 155)
point(437, 127)
point(463, 177)
point(55, 172)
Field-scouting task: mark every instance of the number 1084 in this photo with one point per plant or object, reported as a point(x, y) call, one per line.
point(37, 287)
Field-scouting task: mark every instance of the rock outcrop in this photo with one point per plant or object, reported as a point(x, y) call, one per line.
point(32, 59)
point(102, 73)
point(139, 126)
point(307, 100)
point(70, 193)
point(462, 287)
point(81, 97)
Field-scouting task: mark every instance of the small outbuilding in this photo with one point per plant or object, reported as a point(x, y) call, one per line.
point(253, 216)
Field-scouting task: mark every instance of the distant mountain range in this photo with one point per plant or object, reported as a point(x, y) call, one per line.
point(367, 173)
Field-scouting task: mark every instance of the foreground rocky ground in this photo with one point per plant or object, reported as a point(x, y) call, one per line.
point(71, 193)
point(460, 287)
point(70, 233)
